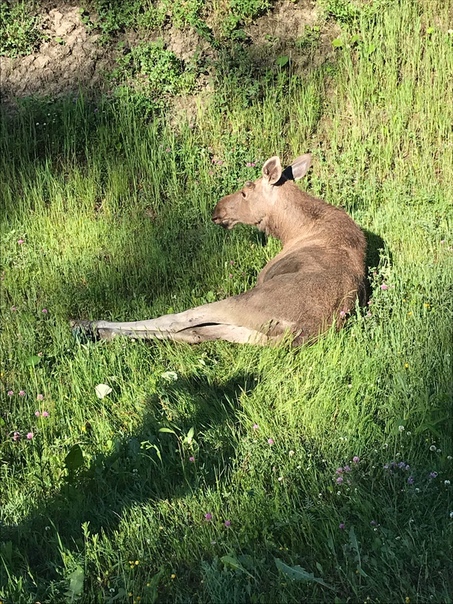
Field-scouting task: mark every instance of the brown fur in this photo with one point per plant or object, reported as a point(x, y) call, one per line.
point(312, 283)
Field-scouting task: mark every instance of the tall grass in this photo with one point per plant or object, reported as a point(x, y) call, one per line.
point(221, 473)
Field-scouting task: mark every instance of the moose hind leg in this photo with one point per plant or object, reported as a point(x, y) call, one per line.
point(229, 333)
point(213, 321)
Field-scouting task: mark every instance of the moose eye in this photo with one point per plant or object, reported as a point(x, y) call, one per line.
point(248, 185)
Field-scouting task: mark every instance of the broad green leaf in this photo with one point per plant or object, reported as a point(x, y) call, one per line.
point(76, 579)
point(233, 562)
point(74, 459)
point(33, 360)
point(167, 431)
point(282, 60)
point(297, 573)
point(189, 436)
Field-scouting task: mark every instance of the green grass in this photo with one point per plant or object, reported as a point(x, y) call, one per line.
point(106, 214)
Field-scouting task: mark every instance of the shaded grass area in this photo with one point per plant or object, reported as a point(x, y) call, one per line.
point(205, 465)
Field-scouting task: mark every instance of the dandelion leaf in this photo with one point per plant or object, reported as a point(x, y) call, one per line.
point(297, 573)
point(74, 459)
point(76, 579)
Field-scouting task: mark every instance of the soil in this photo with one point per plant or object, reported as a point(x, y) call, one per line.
point(68, 60)
point(282, 33)
point(71, 57)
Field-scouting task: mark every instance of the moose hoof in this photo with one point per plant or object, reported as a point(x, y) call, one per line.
point(88, 331)
point(84, 331)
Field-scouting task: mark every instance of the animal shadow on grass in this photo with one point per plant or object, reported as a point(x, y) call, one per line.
point(375, 245)
point(99, 493)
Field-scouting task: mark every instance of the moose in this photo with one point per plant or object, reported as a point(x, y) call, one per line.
point(312, 284)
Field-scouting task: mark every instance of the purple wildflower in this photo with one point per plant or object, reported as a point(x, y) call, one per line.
point(339, 480)
point(410, 480)
point(341, 526)
point(208, 517)
point(10, 392)
point(356, 459)
point(227, 523)
point(40, 397)
point(270, 441)
point(384, 287)
point(30, 436)
point(433, 474)
point(21, 392)
point(191, 458)
point(16, 436)
point(45, 414)
point(37, 413)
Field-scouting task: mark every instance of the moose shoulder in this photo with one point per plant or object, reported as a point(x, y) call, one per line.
point(314, 281)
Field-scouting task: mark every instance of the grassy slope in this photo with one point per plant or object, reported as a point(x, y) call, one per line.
point(114, 215)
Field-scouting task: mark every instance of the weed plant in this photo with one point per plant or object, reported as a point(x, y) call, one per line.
point(144, 472)
point(19, 31)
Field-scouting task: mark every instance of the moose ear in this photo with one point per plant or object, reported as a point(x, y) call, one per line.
point(300, 166)
point(272, 170)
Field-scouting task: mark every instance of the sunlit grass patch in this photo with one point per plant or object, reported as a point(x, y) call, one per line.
point(221, 473)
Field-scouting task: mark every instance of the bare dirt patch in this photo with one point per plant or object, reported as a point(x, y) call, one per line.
point(71, 57)
point(296, 31)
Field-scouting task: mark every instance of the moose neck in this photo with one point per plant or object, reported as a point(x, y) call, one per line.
point(294, 215)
